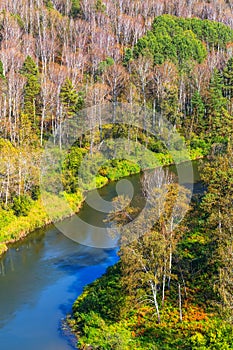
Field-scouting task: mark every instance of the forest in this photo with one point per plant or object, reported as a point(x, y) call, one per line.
point(172, 287)
point(174, 58)
point(59, 57)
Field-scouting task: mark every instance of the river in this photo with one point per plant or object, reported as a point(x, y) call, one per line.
point(41, 277)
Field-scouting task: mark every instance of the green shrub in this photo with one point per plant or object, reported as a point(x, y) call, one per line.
point(22, 205)
point(35, 194)
point(117, 168)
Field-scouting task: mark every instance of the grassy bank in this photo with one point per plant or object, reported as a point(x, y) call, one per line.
point(14, 228)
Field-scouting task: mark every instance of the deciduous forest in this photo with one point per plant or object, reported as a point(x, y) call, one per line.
point(172, 287)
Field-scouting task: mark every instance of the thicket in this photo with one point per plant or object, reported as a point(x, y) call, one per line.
point(173, 57)
point(180, 68)
point(118, 312)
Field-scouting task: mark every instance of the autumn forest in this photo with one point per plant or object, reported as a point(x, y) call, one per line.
point(172, 287)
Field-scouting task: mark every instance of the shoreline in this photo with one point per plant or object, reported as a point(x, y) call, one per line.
point(37, 223)
point(23, 234)
point(41, 220)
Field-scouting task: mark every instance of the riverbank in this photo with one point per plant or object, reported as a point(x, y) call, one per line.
point(117, 312)
point(40, 277)
point(14, 228)
point(104, 318)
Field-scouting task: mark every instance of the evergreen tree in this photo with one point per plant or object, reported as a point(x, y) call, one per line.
point(72, 101)
point(217, 100)
point(228, 79)
point(216, 106)
point(31, 90)
point(170, 40)
point(99, 6)
point(2, 76)
point(75, 8)
point(169, 105)
point(217, 205)
point(198, 113)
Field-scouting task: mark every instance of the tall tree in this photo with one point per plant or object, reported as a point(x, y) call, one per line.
point(148, 246)
point(216, 106)
point(228, 84)
point(70, 99)
point(217, 206)
point(31, 90)
point(198, 114)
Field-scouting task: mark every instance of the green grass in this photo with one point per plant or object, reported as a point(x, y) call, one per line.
point(13, 228)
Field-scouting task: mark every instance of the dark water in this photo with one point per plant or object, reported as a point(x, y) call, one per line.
point(41, 277)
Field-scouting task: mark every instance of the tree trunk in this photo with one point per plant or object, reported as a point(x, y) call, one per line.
point(7, 184)
point(154, 292)
point(180, 302)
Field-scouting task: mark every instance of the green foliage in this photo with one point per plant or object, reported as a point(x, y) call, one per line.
point(49, 4)
point(74, 199)
point(197, 259)
point(179, 40)
point(100, 6)
point(103, 65)
point(128, 56)
point(71, 100)
point(6, 216)
point(199, 145)
point(189, 47)
point(97, 308)
point(75, 8)
point(169, 105)
point(169, 40)
point(35, 193)
point(228, 79)
point(31, 89)
point(29, 68)
point(198, 105)
point(22, 205)
point(116, 324)
point(103, 297)
point(14, 227)
point(19, 20)
point(70, 168)
point(219, 120)
point(2, 76)
point(115, 169)
point(214, 34)
point(217, 101)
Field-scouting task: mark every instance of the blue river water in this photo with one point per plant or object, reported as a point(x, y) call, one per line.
point(41, 277)
point(39, 281)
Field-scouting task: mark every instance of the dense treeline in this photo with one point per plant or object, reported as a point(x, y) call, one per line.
point(151, 301)
point(57, 57)
point(175, 58)
point(54, 63)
